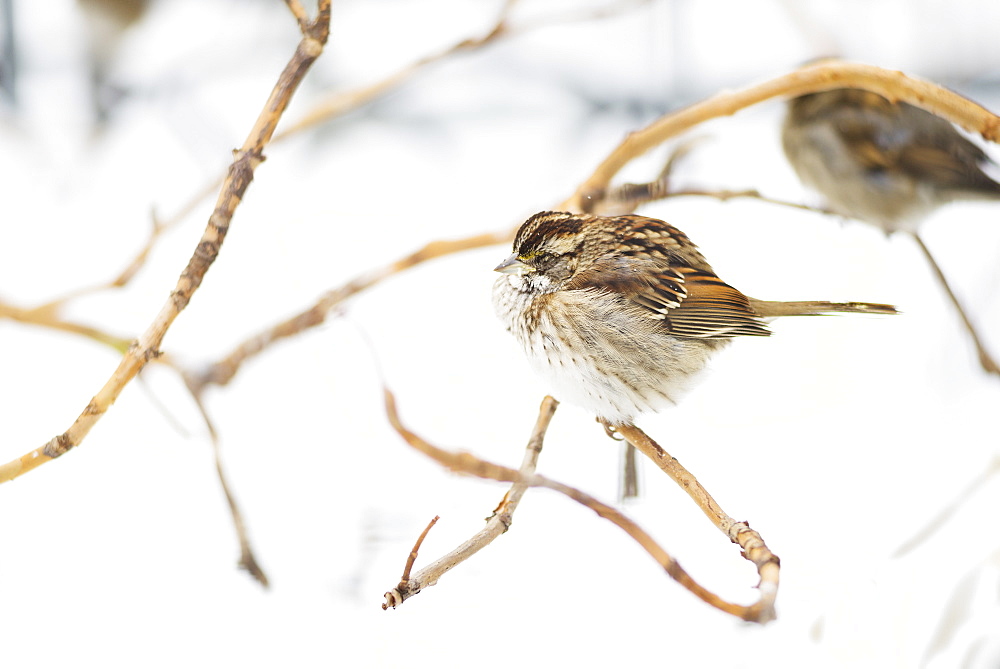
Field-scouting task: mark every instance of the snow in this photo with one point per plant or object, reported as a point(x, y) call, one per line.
point(839, 439)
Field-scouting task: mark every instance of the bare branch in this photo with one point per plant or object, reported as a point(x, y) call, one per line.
point(337, 104)
point(754, 548)
point(985, 359)
point(627, 197)
point(761, 612)
point(753, 194)
point(146, 347)
point(949, 511)
point(248, 561)
point(124, 277)
point(45, 317)
point(822, 76)
point(334, 105)
point(497, 524)
point(341, 102)
point(222, 372)
point(631, 195)
point(416, 549)
point(299, 13)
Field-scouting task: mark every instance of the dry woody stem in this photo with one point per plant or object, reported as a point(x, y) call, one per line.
point(739, 532)
point(146, 347)
point(498, 523)
point(416, 550)
point(761, 612)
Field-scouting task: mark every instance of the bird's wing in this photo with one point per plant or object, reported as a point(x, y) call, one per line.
point(904, 139)
point(691, 302)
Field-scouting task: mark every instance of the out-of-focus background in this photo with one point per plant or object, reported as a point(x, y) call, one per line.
point(840, 439)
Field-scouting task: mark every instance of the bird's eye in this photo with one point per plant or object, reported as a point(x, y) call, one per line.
point(538, 259)
point(533, 257)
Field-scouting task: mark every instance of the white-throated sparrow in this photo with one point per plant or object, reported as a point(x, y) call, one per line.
point(886, 163)
point(620, 313)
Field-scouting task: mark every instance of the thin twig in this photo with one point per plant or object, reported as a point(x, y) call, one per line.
point(754, 548)
point(627, 197)
point(222, 371)
point(248, 560)
point(497, 524)
point(753, 194)
point(299, 13)
point(761, 612)
point(341, 102)
point(45, 317)
point(416, 549)
point(659, 189)
point(241, 172)
point(158, 228)
point(123, 278)
point(335, 105)
point(985, 359)
point(948, 512)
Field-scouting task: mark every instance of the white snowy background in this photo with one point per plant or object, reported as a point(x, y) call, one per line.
point(839, 439)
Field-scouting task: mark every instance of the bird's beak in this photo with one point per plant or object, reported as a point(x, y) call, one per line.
point(513, 266)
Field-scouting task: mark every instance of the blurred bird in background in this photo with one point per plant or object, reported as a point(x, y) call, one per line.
point(107, 22)
point(889, 164)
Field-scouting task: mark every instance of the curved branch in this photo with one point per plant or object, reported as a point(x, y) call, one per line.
point(821, 76)
point(761, 612)
point(222, 371)
point(739, 532)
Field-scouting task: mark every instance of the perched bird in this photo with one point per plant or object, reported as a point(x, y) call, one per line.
point(619, 314)
point(889, 164)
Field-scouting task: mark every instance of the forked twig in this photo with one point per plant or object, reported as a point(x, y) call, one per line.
point(146, 347)
point(761, 612)
point(498, 523)
point(416, 549)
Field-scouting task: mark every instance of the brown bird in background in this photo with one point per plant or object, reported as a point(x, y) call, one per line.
point(106, 23)
point(886, 163)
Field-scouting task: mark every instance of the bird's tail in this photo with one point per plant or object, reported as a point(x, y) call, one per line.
point(768, 309)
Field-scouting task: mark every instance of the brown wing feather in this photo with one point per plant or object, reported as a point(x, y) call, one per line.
point(713, 309)
point(908, 140)
point(691, 302)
